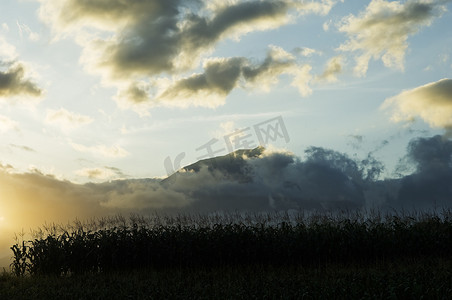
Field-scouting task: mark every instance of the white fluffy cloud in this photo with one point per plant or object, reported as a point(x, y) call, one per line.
point(333, 68)
point(382, 30)
point(431, 102)
point(305, 51)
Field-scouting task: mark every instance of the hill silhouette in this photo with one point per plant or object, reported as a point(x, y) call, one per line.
point(233, 165)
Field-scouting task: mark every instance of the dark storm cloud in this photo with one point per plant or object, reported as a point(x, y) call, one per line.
point(431, 185)
point(13, 83)
point(277, 180)
point(431, 154)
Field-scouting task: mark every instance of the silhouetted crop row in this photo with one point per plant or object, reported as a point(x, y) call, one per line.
point(117, 244)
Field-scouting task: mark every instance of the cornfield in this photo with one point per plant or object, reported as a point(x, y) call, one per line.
point(200, 241)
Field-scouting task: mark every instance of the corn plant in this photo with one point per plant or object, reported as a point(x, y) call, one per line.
point(187, 241)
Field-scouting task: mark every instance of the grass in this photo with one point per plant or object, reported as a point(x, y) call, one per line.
point(237, 256)
point(429, 279)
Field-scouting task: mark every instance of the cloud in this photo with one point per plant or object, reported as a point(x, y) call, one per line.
point(164, 36)
point(258, 180)
point(305, 51)
point(5, 27)
point(6, 124)
point(225, 128)
point(66, 120)
point(355, 141)
point(142, 195)
point(101, 150)
point(134, 45)
point(278, 180)
point(24, 29)
point(431, 102)
point(15, 77)
point(220, 77)
point(7, 51)
point(30, 200)
point(276, 63)
point(255, 180)
point(326, 25)
point(95, 173)
point(196, 37)
point(429, 186)
point(101, 173)
point(333, 67)
point(14, 83)
point(22, 147)
point(152, 37)
point(382, 30)
point(431, 154)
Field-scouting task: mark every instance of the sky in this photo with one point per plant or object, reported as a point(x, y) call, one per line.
point(99, 100)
